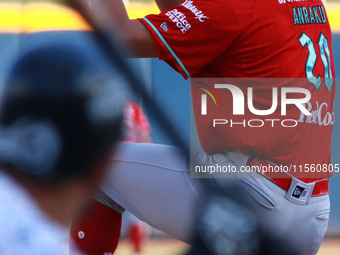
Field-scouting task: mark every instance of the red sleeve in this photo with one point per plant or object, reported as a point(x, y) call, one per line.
point(189, 36)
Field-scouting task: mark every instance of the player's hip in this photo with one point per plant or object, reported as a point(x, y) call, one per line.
point(234, 166)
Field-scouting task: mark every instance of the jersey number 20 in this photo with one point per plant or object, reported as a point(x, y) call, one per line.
point(311, 60)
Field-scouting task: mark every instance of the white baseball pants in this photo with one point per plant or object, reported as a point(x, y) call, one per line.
point(153, 182)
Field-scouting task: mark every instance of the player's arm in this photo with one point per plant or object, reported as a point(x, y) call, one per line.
point(113, 15)
point(135, 34)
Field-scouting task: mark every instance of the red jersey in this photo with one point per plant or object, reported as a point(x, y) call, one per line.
point(136, 125)
point(255, 39)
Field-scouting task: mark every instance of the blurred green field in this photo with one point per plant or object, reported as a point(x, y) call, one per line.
point(173, 247)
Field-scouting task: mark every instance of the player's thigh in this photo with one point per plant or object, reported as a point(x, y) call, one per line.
point(153, 182)
point(309, 224)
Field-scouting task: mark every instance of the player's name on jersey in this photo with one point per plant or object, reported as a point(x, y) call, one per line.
point(306, 15)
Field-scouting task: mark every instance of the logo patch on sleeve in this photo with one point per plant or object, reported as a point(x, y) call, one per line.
point(164, 26)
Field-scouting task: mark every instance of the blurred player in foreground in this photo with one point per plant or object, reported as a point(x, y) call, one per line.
point(268, 39)
point(61, 117)
point(98, 231)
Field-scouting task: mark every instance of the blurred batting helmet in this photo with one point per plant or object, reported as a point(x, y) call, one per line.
point(61, 112)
